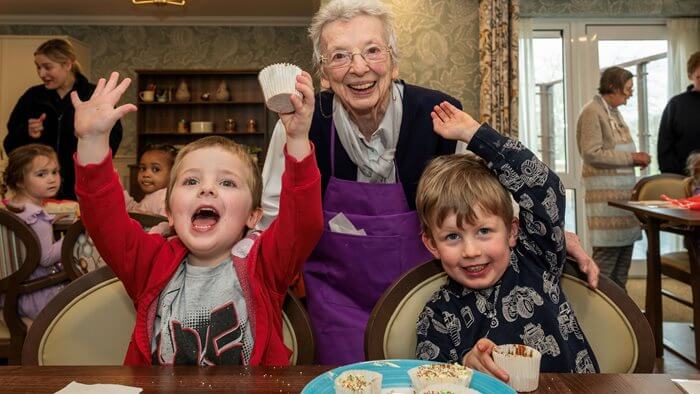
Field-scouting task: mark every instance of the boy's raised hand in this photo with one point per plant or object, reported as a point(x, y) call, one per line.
point(95, 118)
point(298, 123)
point(480, 358)
point(452, 123)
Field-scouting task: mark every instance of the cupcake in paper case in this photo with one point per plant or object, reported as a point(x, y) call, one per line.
point(447, 388)
point(423, 376)
point(278, 82)
point(522, 363)
point(357, 381)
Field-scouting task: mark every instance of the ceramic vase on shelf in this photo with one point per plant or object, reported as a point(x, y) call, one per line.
point(251, 126)
point(222, 93)
point(183, 92)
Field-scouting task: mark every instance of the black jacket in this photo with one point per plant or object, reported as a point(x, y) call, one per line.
point(679, 131)
point(417, 145)
point(58, 127)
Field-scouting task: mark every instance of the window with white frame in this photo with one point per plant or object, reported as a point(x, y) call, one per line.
point(560, 67)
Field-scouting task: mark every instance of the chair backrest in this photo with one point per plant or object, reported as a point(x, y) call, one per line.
point(78, 252)
point(615, 327)
point(88, 323)
point(20, 253)
point(296, 329)
point(72, 328)
point(652, 187)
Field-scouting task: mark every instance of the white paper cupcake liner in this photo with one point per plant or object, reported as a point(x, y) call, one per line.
point(419, 383)
point(374, 378)
point(524, 371)
point(447, 388)
point(278, 82)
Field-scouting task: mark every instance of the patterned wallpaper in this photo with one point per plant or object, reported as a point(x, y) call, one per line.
point(439, 46)
point(126, 48)
point(609, 8)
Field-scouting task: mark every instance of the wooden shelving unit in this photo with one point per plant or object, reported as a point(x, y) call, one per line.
point(157, 122)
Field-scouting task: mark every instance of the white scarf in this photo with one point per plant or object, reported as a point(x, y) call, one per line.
point(374, 158)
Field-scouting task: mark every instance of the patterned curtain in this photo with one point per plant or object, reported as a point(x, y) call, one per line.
point(498, 64)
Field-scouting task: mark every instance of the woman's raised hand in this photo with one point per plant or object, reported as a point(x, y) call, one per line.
point(35, 126)
point(98, 115)
point(298, 123)
point(95, 118)
point(452, 123)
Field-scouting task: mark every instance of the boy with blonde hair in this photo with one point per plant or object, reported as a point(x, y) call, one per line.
point(213, 294)
point(504, 271)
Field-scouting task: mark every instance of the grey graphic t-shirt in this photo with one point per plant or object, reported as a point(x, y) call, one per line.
point(202, 318)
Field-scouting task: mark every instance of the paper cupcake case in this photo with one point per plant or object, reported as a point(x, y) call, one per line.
point(373, 378)
point(278, 82)
point(522, 364)
point(421, 382)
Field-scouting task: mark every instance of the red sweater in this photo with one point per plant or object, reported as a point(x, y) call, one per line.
point(145, 263)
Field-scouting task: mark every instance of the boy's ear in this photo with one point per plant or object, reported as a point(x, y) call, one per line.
point(513, 236)
point(430, 245)
point(255, 216)
point(170, 219)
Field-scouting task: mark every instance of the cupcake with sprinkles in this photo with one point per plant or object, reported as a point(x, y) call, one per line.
point(423, 376)
point(358, 382)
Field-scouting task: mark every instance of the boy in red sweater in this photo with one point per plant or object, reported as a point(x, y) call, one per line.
point(212, 295)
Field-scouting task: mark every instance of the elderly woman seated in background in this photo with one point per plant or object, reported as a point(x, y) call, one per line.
point(373, 136)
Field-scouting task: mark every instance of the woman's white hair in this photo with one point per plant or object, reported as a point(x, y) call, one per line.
point(345, 10)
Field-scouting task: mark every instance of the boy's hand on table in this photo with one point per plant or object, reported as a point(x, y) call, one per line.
point(480, 358)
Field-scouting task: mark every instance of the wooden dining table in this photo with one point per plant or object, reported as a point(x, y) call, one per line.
point(655, 215)
point(32, 379)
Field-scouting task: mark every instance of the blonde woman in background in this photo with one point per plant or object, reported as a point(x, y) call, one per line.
point(44, 113)
point(609, 157)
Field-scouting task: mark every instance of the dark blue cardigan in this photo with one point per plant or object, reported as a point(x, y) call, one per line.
point(417, 145)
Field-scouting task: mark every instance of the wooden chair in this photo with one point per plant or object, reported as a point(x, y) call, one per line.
point(675, 265)
point(79, 254)
point(615, 327)
point(91, 320)
point(20, 253)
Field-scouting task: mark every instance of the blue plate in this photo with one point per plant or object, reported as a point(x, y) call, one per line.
point(395, 375)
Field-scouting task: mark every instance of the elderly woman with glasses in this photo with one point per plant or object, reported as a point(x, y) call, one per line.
point(373, 136)
point(609, 157)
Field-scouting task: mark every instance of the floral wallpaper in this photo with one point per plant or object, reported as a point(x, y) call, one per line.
point(609, 8)
point(439, 46)
point(126, 48)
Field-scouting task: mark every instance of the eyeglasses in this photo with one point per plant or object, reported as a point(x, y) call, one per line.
point(371, 54)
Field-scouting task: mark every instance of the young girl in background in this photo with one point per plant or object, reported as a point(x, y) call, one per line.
point(154, 173)
point(32, 174)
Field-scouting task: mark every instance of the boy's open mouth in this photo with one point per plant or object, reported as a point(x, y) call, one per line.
point(204, 219)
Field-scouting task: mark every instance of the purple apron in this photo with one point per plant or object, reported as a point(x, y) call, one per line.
point(346, 274)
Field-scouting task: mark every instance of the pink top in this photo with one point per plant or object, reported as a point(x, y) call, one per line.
point(153, 203)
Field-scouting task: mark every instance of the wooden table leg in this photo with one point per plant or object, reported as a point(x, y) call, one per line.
point(695, 287)
point(653, 294)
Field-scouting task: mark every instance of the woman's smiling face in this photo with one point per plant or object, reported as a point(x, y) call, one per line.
point(362, 87)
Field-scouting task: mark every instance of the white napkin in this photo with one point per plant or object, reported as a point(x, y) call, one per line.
point(80, 388)
point(341, 224)
point(688, 386)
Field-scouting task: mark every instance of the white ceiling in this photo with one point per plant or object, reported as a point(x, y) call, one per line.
point(123, 11)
